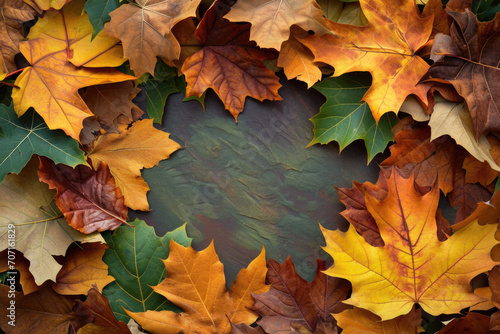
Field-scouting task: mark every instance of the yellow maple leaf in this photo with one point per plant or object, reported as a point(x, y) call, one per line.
point(413, 266)
point(385, 47)
point(126, 153)
point(195, 282)
point(70, 29)
point(51, 83)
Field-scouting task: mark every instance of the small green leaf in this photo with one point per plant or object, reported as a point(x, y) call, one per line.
point(134, 260)
point(159, 87)
point(485, 9)
point(344, 118)
point(29, 135)
point(98, 11)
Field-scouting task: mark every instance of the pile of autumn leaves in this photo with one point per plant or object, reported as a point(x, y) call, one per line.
point(400, 250)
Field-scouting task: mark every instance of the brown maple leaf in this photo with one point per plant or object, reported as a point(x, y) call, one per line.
point(82, 268)
point(43, 312)
point(386, 47)
point(272, 19)
point(112, 105)
point(229, 63)
point(97, 313)
point(13, 14)
point(145, 29)
point(481, 172)
point(89, 200)
point(468, 58)
point(294, 302)
point(358, 320)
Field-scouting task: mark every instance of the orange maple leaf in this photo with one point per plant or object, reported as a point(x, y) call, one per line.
point(413, 266)
point(385, 47)
point(51, 83)
point(195, 282)
point(229, 63)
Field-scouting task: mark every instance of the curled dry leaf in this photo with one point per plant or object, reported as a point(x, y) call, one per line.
point(89, 200)
point(229, 63)
point(413, 266)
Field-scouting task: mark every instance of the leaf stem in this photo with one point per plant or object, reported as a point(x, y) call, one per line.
point(15, 72)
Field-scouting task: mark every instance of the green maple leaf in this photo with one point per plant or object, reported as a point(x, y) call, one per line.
point(344, 118)
point(134, 260)
point(22, 137)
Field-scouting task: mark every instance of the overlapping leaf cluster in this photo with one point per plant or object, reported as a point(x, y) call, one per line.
point(73, 144)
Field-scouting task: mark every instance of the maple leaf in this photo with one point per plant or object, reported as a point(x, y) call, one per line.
point(51, 83)
point(82, 268)
point(229, 63)
point(69, 29)
point(140, 146)
point(89, 200)
point(439, 159)
point(111, 104)
point(344, 118)
point(271, 20)
point(297, 60)
point(43, 311)
point(468, 59)
point(343, 12)
point(385, 47)
point(292, 302)
point(413, 266)
point(134, 279)
point(358, 320)
point(28, 135)
point(96, 311)
point(152, 22)
point(195, 282)
point(13, 14)
point(40, 229)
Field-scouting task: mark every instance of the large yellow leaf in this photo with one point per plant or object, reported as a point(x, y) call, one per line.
point(271, 19)
point(51, 83)
point(145, 29)
point(413, 266)
point(140, 146)
point(70, 29)
point(386, 47)
point(195, 282)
